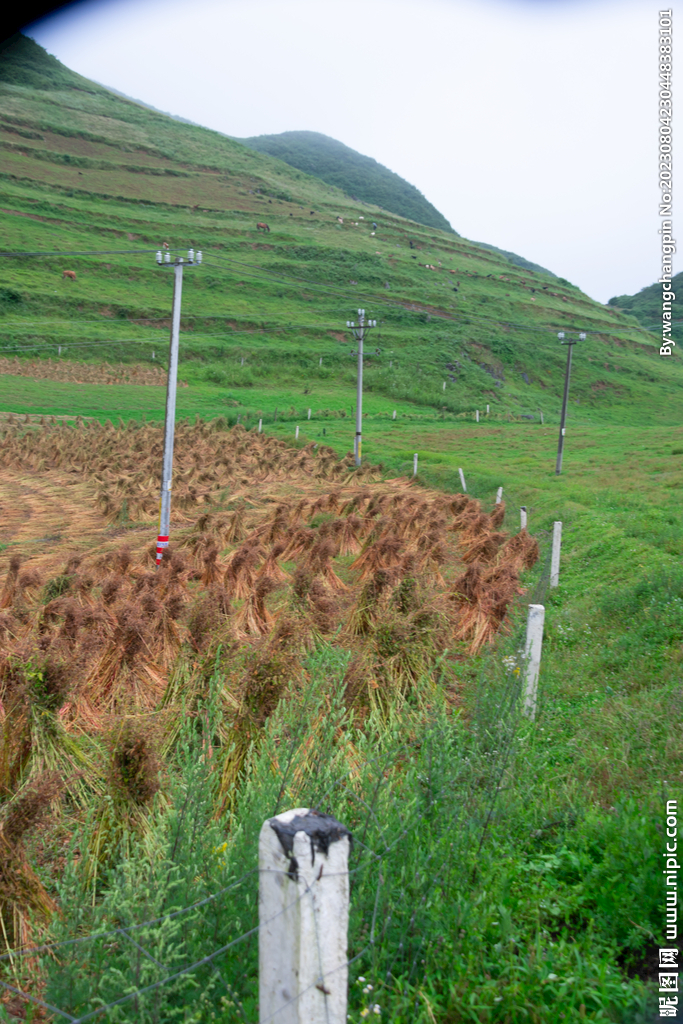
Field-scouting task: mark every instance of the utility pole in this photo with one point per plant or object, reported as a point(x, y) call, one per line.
point(359, 333)
point(164, 259)
point(560, 445)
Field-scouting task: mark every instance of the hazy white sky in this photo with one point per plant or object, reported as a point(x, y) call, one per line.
point(530, 125)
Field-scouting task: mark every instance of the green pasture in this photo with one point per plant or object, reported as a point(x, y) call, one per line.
point(527, 887)
point(536, 899)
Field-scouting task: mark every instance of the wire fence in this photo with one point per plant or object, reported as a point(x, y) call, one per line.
point(414, 839)
point(420, 813)
point(388, 944)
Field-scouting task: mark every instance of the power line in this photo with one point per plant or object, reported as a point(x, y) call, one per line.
point(91, 252)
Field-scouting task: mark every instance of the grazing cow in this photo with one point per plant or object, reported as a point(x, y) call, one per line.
point(340, 220)
point(262, 227)
point(164, 245)
point(69, 273)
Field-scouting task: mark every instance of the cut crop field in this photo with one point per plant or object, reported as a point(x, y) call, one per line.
point(317, 635)
point(294, 584)
point(79, 373)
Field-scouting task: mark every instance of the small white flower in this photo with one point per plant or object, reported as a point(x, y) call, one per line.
point(498, 999)
point(552, 977)
point(376, 1008)
point(368, 988)
point(361, 979)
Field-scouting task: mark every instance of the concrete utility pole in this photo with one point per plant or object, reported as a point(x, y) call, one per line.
point(560, 445)
point(359, 333)
point(164, 259)
point(303, 918)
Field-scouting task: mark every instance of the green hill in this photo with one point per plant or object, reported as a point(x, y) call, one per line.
point(24, 63)
point(360, 177)
point(646, 306)
point(87, 171)
point(519, 261)
point(506, 869)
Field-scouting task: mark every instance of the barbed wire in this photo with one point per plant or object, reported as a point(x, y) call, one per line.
point(503, 727)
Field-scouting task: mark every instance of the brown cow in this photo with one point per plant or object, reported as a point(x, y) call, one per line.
point(69, 273)
point(262, 227)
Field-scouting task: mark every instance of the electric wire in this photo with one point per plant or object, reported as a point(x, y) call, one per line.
point(92, 252)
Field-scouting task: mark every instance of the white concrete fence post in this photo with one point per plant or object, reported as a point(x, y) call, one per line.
point(555, 556)
point(296, 434)
point(462, 481)
point(477, 416)
point(444, 385)
point(499, 495)
point(542, 419)
point(415, 464)
point(321, 361)
point(532, 657)
point(303, 918)
point(309, 414)
point(394, 416)
point(487, 410)
point(522, 518)
point(260, 426)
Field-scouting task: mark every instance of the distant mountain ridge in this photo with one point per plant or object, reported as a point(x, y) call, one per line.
point(359, 176)
point(646, 305)
point(85, 171)
point(24, 63)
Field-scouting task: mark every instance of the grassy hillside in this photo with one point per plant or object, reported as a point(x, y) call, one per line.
point(360, 177)
point(318, 636)
point(519, 261)
point(646, 306)
point(85, 170)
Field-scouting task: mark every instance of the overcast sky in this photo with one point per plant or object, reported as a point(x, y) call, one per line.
point(530, 124)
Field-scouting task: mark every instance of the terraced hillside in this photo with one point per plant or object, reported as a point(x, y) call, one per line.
point(84, 170)
point(318, 635)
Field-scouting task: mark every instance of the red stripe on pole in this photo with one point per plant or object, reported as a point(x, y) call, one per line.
point(162, 542)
